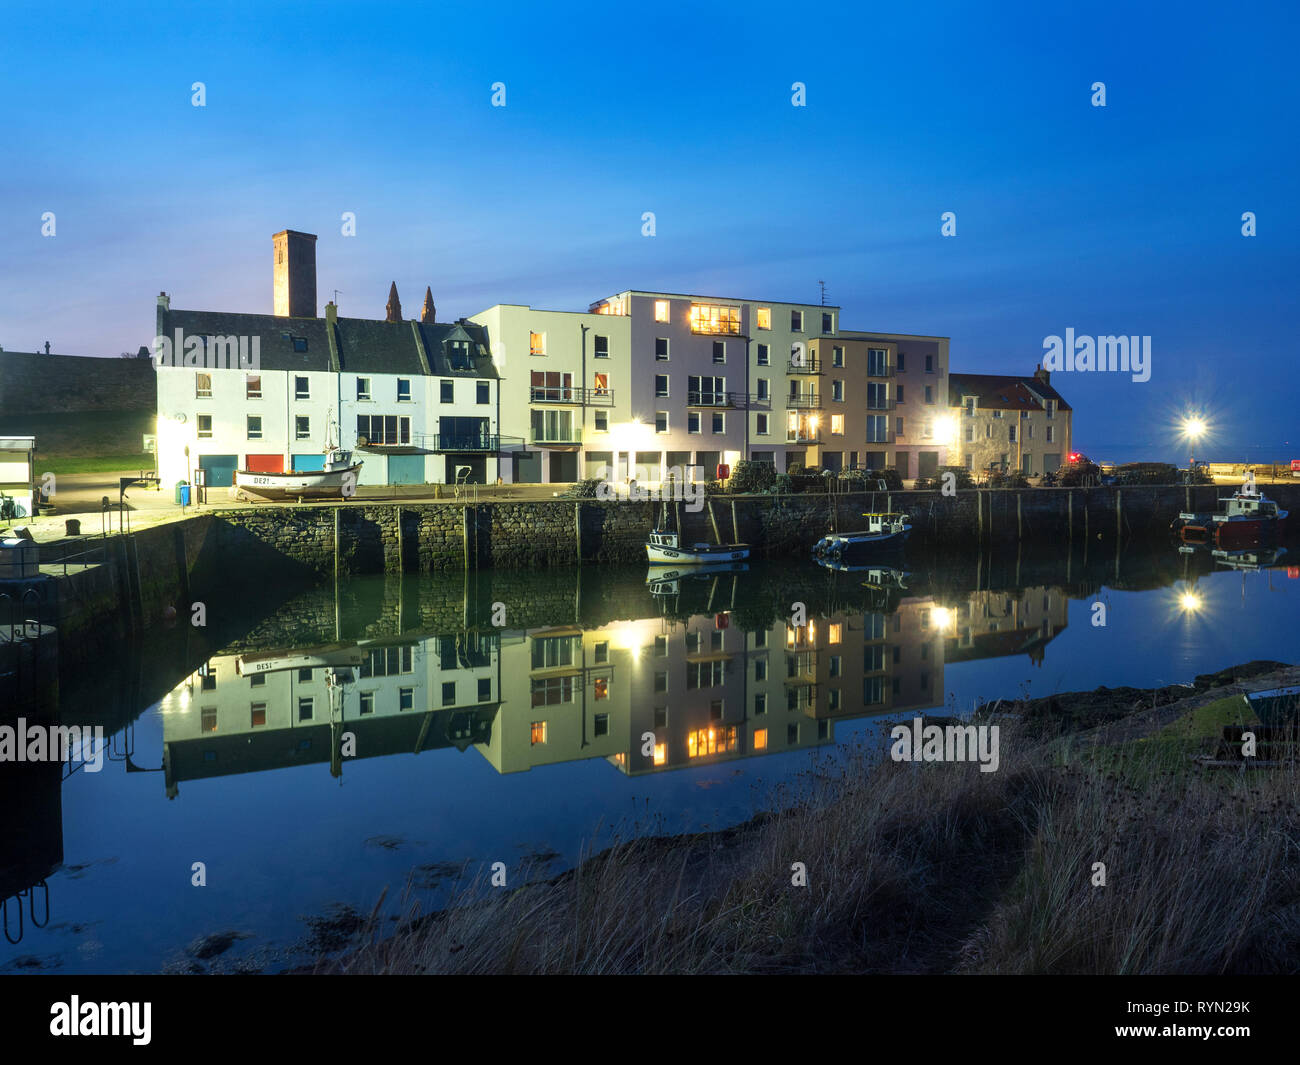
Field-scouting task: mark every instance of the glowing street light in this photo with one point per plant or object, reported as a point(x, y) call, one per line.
point(1193, 428)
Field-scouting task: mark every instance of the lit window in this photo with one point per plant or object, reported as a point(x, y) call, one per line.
point(208, 719)
point(837, 424)
point(203, 386)
point(258, 715)
point(600, 384)
point(602, 688)
point(706, 318)
point(707, 741)
point(538, 732)
point(661, 310)
point(536, 344)
point(661, 753)
point(835, 632)
point(764, 317)
point(253, 386)
point(760, 739)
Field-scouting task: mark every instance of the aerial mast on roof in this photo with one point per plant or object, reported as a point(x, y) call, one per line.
point(822, 284)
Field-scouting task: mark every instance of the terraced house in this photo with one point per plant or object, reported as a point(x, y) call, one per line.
point(1009, 423)
point(417, 400)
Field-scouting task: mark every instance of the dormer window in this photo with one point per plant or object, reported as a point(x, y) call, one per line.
point(458, 352)
point(970, 404)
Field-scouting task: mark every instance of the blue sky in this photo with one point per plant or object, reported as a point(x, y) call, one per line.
point(1117, 220)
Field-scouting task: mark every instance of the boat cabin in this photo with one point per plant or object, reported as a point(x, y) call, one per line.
point(1249, 505)
point(879, 522)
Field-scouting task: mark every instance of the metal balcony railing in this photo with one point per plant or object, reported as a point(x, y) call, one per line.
point(465, 441)
point(881, 405)
point(562, 436)
point(804, 401)
point(880, 371)
point(808, 364)
point(716, 399)
point(803, 436)
point(572, 396)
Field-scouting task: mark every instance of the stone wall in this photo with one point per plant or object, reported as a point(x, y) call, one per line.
point(56, 384)
point(437, 537)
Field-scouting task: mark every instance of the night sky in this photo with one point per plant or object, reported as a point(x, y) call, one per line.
point(1123, 219)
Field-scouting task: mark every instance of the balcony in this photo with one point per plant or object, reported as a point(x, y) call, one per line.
point(715, 400)
point(887, 437)
point(555, 437)
point(804, 401)
point(566, 395)
point(880, 371)
point(482, 442)
point(803, 436)
point(807, 365)
point(881, 405)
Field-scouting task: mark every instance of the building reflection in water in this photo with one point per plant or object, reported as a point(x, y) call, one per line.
point(681, 687)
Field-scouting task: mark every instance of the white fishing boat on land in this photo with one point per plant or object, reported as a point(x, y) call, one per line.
point(336, 478)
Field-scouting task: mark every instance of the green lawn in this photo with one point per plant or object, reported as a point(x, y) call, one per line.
point(92, 463)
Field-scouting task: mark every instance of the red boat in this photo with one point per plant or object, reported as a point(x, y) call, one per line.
point(1244, 519)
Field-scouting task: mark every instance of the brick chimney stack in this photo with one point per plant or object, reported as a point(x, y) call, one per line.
point(1043, 375)
point(295, 274)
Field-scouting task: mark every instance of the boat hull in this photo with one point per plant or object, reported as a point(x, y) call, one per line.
point(660, 555)
point(321, 484)
point(860, 546)
point(1276, 706)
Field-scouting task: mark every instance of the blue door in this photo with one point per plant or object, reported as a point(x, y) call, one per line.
point(406, 469)
point(218, 470)
point(308, 463)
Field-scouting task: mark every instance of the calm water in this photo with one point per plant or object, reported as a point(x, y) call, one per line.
point(518, 742)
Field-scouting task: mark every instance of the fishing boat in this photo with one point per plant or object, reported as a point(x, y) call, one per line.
point(664, 549)
point(1255, 558)
point(1276, 706)
point(886, 531)
point(1243, 519)
point(331, 656)
point(667, 581)
point(336, 478)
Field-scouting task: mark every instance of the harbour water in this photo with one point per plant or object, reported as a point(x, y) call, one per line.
point(403, 733)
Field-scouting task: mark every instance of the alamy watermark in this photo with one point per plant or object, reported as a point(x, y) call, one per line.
point(53, 743)
point(674, 487)
point(1114, 354)
point(207, 352)
point(919, 742)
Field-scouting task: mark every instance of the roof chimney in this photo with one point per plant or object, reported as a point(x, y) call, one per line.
point(47, 347)
point(295, 274)
point(394, 304)
point(164, 305)
point(1043, 375)
point(428, 311)
point(331, 313)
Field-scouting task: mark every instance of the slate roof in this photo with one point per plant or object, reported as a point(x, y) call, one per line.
point(364, 345)
point(1002, 392)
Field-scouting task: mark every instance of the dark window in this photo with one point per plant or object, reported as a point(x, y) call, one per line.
point(826, 322)
point(484, 689)
point(719, 351)
point(483, 392)
point(602, 347)
point(764, 358)
point(403, 389)
point(299, 343)
point(449, 693)
point(661, 348)
point(447, 391)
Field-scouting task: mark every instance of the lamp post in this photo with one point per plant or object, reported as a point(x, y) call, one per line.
point(1193, 428)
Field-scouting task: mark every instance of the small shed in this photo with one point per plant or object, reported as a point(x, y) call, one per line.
point(17, 470)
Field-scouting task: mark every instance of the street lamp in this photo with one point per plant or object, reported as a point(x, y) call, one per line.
point(1193, 429)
